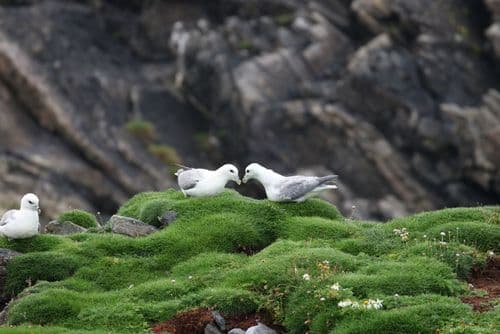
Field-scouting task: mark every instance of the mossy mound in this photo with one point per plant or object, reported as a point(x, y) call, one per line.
point(240, 255)
point(78, 217)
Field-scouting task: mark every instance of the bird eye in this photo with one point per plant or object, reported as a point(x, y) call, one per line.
point(30, 202)
point(248, 170)
point(232, 171)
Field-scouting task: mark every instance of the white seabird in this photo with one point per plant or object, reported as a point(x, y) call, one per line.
point(281, 188)
point(198, 182)
point(22, 223)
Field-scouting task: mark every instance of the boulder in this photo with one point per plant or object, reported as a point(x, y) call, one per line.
point(260, 329)
point(64, 228)
point(212, 329)
point(219, 320)
point(5, 256)
point(236, 331)
point(167, 218)
point(130, 226)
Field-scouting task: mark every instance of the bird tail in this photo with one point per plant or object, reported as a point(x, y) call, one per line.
point(181, 169)
point(326, 179)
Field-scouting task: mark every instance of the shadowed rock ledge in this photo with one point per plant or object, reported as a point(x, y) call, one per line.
point(397, 97)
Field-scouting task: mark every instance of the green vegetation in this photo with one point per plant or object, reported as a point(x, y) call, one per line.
point(240, 255)
point(142, 130)
point(165, 153)
point(78, 217)
point(284, 19)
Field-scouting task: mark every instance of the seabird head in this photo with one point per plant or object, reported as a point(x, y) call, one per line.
point(252, 171)
point(231, 172)
point(30, 202)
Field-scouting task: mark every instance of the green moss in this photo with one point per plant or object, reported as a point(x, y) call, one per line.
point(165, 153)
point(226, 300)
point(50, 307)
point(415, 276)
point(31, 329)
point(153, 210)
point(314, 207)
point(415, 319)
point(114, 273)
point(39, 243)
point(209, 264)
point(78, 217)
point(121, 317)
point(318, 228)
point(132, 208)
point(159, 311)
point(426, 220)
point(160, 290)
point(477, 234)
point(459, 257)
point(284, 19)
point(27, 269)
point(142, 130)
point(224, 252)
point(245, 45)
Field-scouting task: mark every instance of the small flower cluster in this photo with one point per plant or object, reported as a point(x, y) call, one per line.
point(333, 292)
point(402, 233)
point(324, 269)
point(368, 304)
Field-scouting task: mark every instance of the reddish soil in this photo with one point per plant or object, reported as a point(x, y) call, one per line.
point(194, 322)
point(487, 279)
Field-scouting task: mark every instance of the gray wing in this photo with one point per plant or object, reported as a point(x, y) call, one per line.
point(189, 178)
point(7, 217)
point(295, 187)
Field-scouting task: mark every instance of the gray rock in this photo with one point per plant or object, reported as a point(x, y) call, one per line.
point(167, 218)
point(219, 320)
point(260, 329)
point(236, 331)
point(5, 256)
point(211, 329)
point(493, 34)
point(130, 226)
point(64, 228)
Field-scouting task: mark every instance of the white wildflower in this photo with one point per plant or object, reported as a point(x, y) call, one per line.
point(491, 253)
point(322, 299)
point(442, 234)
point(190, 277)
point(378, 304)
point(173, 281)
point(345, 303)
point(336, 287)
point(306, 277)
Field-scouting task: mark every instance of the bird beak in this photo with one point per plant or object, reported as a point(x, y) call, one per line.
point(238, 181)
point(245, 180)
point(39, 210)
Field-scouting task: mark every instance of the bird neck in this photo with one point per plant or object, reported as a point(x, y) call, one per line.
point(221, 176)
point(268, 177)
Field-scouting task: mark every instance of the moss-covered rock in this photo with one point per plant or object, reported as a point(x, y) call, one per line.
point(78, 217)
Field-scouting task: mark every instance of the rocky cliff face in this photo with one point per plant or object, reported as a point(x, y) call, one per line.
point(399, 97)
